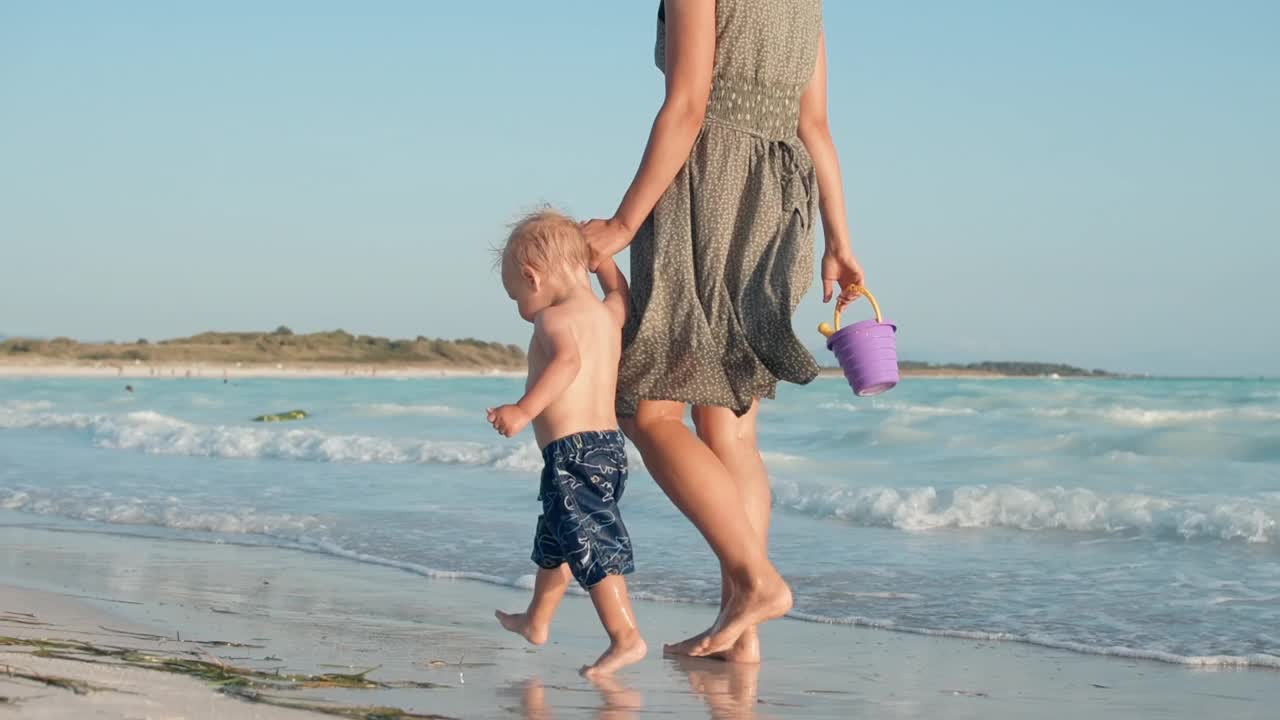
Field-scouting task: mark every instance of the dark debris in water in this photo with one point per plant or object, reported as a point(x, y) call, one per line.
point(967, 693)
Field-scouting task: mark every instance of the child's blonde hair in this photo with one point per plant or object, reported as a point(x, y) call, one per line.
point(545, 240)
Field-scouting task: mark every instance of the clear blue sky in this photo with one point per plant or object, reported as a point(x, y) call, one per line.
point(1096, 182)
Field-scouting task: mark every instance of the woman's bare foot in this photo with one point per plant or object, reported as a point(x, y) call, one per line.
point(626, 650)
point(745, 650)
point(520, 624)
point(747, 608)
point(686, 646)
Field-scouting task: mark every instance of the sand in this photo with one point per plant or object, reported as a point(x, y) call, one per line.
point(309, 612)
point(100, 690)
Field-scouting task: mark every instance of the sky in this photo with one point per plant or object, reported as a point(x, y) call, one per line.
point(1094, 182)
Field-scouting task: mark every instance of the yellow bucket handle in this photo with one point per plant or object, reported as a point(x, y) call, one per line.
point(828, 330)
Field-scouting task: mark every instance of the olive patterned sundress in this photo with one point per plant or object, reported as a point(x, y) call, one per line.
point(718, 267)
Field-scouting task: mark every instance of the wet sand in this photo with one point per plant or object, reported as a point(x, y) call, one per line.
point(305, 612)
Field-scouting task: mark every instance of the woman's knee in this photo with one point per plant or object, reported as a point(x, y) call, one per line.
point(652, 417)
point(720, 428)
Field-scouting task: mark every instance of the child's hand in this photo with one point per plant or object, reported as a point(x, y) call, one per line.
point(508, 420)
point(606, 239)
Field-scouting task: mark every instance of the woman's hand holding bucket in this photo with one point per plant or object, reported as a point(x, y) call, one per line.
point(867, 351)
point(840, 269)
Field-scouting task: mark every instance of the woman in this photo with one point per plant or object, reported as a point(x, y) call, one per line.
point(720, 220)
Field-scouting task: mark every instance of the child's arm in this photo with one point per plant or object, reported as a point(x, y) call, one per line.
point(617, 296)
point(554, 334)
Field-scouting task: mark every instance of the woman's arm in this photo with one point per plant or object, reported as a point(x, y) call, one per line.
point(839, 266)
point(691, 49)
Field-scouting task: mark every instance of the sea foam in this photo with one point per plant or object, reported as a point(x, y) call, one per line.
point(1062, 509)
point(158, 434)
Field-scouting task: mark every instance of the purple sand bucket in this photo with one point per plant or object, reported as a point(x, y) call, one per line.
point(867, 351)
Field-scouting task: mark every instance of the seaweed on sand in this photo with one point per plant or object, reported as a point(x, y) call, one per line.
point(20, 618)
point(346, 711)
point(244, 683)
point(78, 687)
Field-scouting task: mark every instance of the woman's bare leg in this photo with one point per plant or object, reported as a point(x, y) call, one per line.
point(733, 440)
point(700, 485)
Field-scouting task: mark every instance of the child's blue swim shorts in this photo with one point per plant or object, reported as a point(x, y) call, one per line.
point(583, 477)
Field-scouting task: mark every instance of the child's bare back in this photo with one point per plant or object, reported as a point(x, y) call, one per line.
point(594, 329)
point(569, 399)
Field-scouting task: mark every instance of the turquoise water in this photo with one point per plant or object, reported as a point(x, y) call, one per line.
point(1128, 517)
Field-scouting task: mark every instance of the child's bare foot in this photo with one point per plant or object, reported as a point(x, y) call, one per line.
point(627, 650)
point(520, 624)
point(748, 607)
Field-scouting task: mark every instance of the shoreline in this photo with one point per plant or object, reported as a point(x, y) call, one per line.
point(435, 647)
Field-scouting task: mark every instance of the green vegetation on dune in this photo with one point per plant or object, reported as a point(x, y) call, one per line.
point(279, 346)
point(1014, 369)
point(339, 347)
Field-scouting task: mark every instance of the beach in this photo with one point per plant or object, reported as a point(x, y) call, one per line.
point(958, 548)
point(270, 282)
point(306, 613)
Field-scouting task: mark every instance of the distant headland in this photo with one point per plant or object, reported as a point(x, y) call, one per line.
point(338, 352)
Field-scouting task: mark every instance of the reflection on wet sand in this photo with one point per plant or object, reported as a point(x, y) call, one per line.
point(619, 702)
point(730, 690)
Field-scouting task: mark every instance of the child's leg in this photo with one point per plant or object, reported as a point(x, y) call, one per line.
point(535, 623)
point(619, 620)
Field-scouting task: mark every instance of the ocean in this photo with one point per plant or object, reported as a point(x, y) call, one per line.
point(1136, 518)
